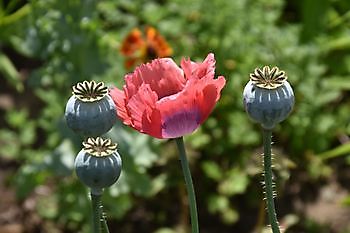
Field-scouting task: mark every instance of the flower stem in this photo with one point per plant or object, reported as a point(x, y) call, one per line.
point(268, 181)
point(96, 212)
point(189, 184)
point(103, 220)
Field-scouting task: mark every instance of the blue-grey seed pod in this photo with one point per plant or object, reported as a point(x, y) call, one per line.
point(268, 97)
point(90, 111)
point(98, 165)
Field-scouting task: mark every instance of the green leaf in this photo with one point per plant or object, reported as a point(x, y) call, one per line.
point(61, 160)
point(159, 183)
point(17, 118)
point(221, 204)
point(337, 83)
point(10, 73)
point(335, 152)
point(165, 230)
point(27, 178)
point(27, 134)
point(16, 16)
point(120, 206)
point(10, 145)
point(346, 201)
point(338, 43)
point(230, 216)
point(218, 203)
point(313, 13)
point(235, 182)
point(47, 206)
point(212, 170)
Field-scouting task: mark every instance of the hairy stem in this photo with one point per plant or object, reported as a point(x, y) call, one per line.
point(189, 184)
point(103, 220)
point(96, 212)
point(268, 181)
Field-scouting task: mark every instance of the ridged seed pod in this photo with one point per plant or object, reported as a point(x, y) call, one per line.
point(98, 165)
point(268, 97)
point(90, 111)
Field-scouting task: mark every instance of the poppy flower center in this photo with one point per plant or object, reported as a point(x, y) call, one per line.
point(181, 123)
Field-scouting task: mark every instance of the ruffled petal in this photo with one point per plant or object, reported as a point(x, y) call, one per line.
point(132, 85)
point(140, 106)
point(119, 99)
point(163, 76)
point(209, 96)
point(187, 65)
point(199, 70)
point(151, 123)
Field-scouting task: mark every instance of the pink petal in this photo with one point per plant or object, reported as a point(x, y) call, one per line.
point(145, 117)
point(181, 123)
point(199, 70)
point(163, 76)
point(180, 113)
point(183, 113)
point(151, 123)
point(187, 65)
point(140, 105)
point(132, 84)
point(210, 95)
point(119, 99)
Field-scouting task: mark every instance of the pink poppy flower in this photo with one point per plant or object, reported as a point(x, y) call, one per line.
point(165, 101)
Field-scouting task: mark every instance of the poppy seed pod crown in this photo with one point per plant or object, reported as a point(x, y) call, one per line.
point(90, 111)
point(98, 165)
point(268, 97)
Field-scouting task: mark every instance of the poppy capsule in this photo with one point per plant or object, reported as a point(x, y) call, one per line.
point(90, 111)
point(98, 165)
point(268, 97)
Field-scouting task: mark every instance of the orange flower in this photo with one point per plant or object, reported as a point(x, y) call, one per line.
point(139, 48)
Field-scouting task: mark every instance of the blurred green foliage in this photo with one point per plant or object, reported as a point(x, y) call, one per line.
point(47, 46)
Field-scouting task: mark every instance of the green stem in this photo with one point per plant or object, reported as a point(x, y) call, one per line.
point(189, 184)
point(268, 181)
point(96, 212)
point(104, 225)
